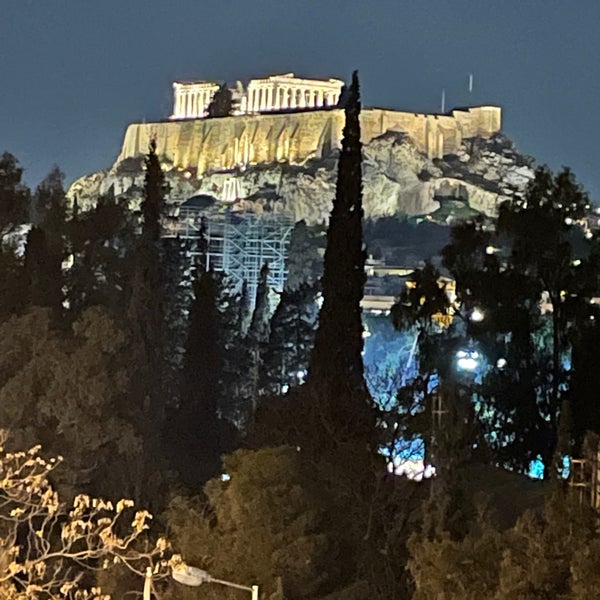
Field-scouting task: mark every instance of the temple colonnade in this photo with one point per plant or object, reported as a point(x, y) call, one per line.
point(192, 99)
point(284, 92)
point(275, 93)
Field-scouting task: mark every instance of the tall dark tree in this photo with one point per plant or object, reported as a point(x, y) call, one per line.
point(236, 390)
point(258, 332)
point(544, 231)
point(49, 203)
point(14, 207)
point(336, 358)
point(305, 260)
point(46, 248)
point(330, 421)
point(259, 324)
point(146, 320)
point(291, 340)
point(196, 429)
point(100, 242)
point(14, 195)
point(336, 408)
point(531, 282)
point(180, 275)
point(507, 300)
point(336, 373)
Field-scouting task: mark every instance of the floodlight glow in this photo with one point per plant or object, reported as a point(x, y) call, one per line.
point(477, 315)
point(467, 360)
point(501, 363)
point(466, 364)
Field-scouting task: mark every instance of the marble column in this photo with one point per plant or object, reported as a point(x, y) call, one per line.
point(302, 102)
point(270, 98)
point(283, 97)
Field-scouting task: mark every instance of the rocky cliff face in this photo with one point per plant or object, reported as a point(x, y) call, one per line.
point(398, 179)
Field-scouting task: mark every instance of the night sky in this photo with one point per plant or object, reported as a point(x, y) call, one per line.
point(74, 73)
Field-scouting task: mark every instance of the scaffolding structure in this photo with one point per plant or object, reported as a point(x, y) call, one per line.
point(239, 244)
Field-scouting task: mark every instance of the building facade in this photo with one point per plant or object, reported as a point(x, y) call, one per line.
point(274, 93)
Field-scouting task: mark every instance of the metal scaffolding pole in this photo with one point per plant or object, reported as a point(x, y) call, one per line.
point(239, 244)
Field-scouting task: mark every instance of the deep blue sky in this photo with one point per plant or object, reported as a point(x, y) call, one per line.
point(74, 73)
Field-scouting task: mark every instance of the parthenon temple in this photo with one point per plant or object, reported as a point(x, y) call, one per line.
point(275, 93)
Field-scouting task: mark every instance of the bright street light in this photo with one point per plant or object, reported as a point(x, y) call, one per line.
point(477, 315)
point(467, 360)
point(193, 577)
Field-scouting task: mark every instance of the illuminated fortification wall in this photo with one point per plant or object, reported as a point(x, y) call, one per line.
point(221, 144)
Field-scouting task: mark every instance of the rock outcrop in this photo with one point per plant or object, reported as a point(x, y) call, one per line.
point(398, 178)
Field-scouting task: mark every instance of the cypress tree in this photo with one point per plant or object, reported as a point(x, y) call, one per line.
point(336, 374)
point(46, 244)
point(336, 359)
point(146, 318)
point(259, 326)
point(333, 411)
point(196, 430)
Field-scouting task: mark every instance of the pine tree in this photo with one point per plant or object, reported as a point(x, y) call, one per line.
point(101, 245)
point(236, 403)
point(14, 206)
point(305, 262)
point(43, 271)
point(291, 340)
point(538, 251)
point(180, 275)
point(221, 103)
point(46, 246)
point(14, 195)
point(196, 429)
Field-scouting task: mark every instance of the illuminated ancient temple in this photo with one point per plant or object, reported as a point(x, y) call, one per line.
point(274, 93)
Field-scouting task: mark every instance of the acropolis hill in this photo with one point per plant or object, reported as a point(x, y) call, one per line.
point(259, 135)
point(284, 120)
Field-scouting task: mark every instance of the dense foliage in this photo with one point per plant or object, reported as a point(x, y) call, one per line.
point(260, 436)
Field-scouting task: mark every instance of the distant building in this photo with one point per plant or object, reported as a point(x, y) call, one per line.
point(274, 93)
